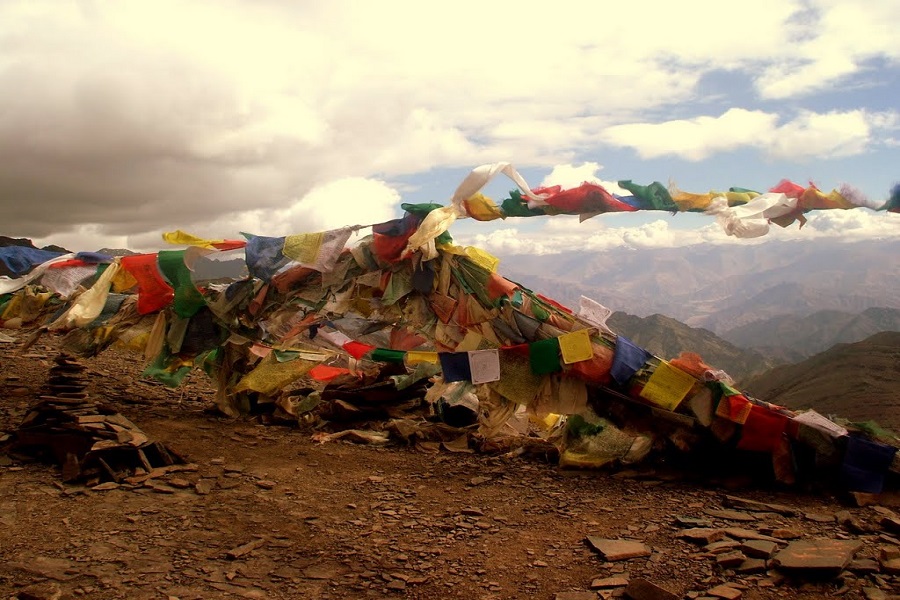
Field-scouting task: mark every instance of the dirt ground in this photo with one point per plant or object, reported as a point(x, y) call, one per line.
point(265, 512)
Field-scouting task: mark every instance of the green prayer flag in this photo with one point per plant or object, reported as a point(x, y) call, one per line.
point(387, 355)
point(163, 370)
point(188, 299)
point(514, 206)
point(655, 195)
point(543, 356)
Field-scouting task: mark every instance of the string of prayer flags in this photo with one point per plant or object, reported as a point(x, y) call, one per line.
point(667, 386)
point(319, 251)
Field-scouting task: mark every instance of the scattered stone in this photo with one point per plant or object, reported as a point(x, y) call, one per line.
point(203, 487)
point(609, 582)
point(724, 591)
point(243, 549)
point(889, 557)
point(873, 593)
point(863, 566)
point(891, 524)
point(722, 547)
point(265, 484)
point(759, 548)
point(824, 556)
point(692, 522)
point(751, 565)
point(702, 535)
point(846, 520)
point(748, 534)
point(613, 550)
point(730, 515)
point(784, 534)
point(747, 504)
point(575, 596)
point(641, 589)
point(729, 560)
point(819, 518)
point(40, 591)
point(105, 487)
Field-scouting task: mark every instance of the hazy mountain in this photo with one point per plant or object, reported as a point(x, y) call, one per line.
point(721, 287)
point(116, 251)
point(802, 337)
point(859, 381)
point(27, 243)
point(667, 338)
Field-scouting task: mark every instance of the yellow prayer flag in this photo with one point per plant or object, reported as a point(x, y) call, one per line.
point(667, 386)
point(738, 198)
point(180, 238)
point(123, 280)
point(482, 208)
point(413, 357)
point(472, 341)
point(688, 201)
point(576, 346)
point(483, 259)
point(303, 247)
point(271, 376)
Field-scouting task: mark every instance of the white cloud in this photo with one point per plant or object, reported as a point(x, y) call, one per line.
point(696, 138)
point(808, 135)
point(563, 234)
point(822, 135)
point(833, 41)
point(569, 176)
point(134, 117)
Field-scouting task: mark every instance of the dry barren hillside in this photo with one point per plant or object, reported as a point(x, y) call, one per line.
point(859, 381)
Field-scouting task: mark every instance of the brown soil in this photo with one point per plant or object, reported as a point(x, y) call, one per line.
point(339, 520)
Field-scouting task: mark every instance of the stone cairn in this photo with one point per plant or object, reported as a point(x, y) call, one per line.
point(89, 439)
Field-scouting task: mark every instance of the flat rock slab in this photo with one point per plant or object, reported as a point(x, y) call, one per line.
point(609, 582)
point(730, 515)
point(759, 548)
point(575, 596)
point(641, 589)
point(823, 555)
point(613, 550)
point(702, 535)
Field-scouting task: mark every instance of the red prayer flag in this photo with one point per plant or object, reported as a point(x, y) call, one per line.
point(154, 293)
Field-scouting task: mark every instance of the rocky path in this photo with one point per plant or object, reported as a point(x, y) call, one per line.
point(265, 512)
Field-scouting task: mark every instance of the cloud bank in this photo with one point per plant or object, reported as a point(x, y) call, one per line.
point(122, 119)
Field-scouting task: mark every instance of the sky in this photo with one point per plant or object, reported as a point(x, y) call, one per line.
point(121, 120)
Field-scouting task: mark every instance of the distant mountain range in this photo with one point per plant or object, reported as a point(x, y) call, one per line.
point(791, 338)
point(667, 338)
point(721, 287)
